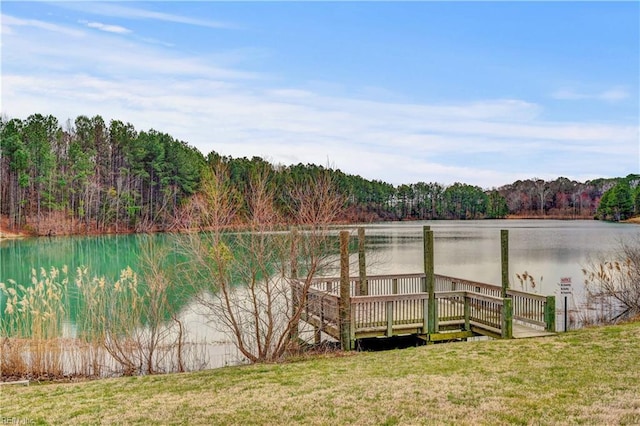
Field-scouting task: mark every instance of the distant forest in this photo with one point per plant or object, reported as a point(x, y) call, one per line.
point(96, 177)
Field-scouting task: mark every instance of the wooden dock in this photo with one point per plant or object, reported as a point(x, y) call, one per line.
point(432, 307)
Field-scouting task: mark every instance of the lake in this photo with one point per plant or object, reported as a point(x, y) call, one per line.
point(547, 250)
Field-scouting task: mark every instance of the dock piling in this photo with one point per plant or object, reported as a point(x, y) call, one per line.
point(430, 279)
point(362, 265)
point(345, 293)
point(504, 260)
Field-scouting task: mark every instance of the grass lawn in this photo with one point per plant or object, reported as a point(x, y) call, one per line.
point(590, 376)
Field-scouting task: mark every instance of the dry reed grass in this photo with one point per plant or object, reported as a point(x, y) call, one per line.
point(61, 326)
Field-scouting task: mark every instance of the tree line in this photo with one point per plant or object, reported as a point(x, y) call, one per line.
point(622, 200)
point(90, 176)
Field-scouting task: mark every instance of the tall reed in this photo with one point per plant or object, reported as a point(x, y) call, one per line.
point(89, 326)
point(31, 324)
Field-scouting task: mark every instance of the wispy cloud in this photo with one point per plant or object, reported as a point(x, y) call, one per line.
point(118, 10)
point(58, 52)
point(117, 29)
point(613, 94)
point(8, 22)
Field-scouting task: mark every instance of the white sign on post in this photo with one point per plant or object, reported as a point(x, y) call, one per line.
point(565, 286)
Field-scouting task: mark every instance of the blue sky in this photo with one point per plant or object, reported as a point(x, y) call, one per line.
point(483, 93)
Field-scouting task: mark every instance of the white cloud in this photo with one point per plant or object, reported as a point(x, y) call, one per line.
point(117, 29)
point(8, 21)
point(118, 10)
point(613, 94)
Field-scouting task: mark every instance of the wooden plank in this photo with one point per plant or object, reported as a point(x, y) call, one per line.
point(322, 280)
point(381, 331)
point(521, 331)
point(449, 335)
point(446, 294)
point(486, 330)
point(528, 320)
point(483, 297)
point(355, 300)
point(534, 296)
point(461, 281)
point(328, 328)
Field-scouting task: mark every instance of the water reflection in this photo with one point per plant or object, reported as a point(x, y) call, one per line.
point(546, 249)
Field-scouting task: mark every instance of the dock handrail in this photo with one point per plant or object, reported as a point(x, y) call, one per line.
point(400, 301)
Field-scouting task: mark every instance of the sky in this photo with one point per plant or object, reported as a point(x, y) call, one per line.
point(483, 93)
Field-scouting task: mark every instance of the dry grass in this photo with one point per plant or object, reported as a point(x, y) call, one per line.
point(121, 327)
point(589, 376)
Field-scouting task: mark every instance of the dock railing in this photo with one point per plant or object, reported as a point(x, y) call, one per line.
point(530, 308)
point(399, 304)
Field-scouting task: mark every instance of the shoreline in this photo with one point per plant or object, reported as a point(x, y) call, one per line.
point(11, 235)
point(6, 235)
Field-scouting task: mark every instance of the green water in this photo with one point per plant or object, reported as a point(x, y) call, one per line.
point(103, 256)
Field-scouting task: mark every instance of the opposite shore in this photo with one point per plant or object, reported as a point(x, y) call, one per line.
point(8, 234)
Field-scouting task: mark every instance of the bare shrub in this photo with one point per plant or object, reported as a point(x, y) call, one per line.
point(12, 364)
point(138, 327)
point(613, 285)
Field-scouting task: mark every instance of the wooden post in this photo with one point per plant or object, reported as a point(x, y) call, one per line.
point(425, 316)
point(317, 332)
point(389, 318)
point(430, 278)
point(550, 314)
point(345, 293)
point(507, 318)
point(362, 265)
point(424, 279)
point(504, 260)
point(295, 303)
point(467, 313)
point(294, 252)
